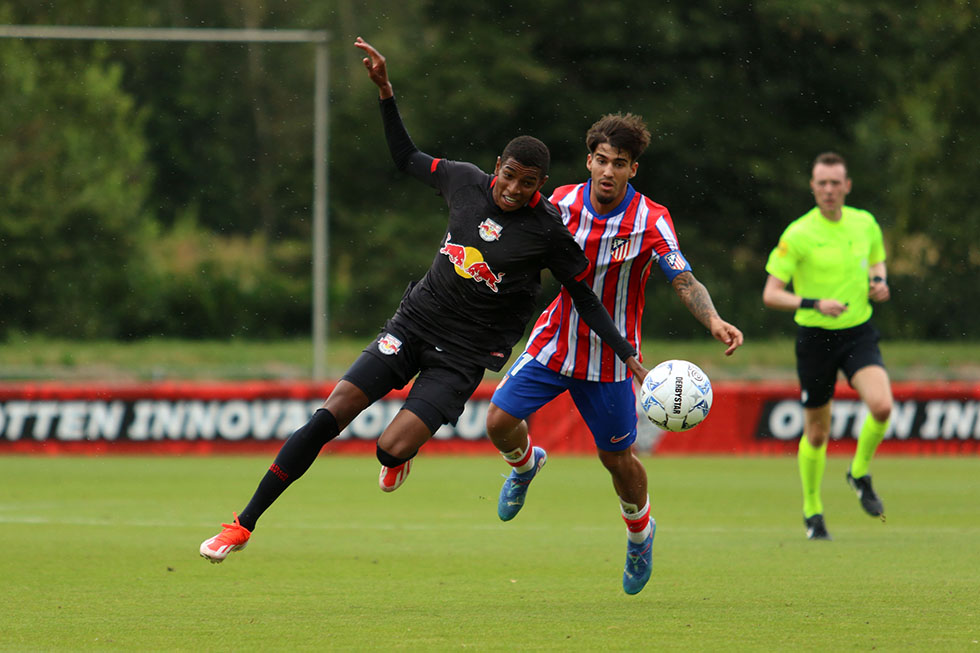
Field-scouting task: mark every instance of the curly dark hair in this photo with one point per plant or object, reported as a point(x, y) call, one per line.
point(624, 132)
point(528, 151)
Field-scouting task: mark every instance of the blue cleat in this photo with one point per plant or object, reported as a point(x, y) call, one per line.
point(639, 562)
point(515, 487)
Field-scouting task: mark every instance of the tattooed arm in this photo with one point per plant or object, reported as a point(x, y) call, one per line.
point(695, 296)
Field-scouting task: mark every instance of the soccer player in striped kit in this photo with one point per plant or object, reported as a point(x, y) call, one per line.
point(623, 235)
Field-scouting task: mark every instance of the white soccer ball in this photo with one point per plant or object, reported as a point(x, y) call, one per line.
point(676, 395)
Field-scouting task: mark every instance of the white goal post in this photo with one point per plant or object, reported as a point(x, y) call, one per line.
point(320, 38)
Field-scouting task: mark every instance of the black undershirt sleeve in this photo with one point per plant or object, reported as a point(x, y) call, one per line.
point(403, 150)
point(597, 317)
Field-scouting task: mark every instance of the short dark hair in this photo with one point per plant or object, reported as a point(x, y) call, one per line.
point(830, 159)
point(528, 151)
point(624, 132)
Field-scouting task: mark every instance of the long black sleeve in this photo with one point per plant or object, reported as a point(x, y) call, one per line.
point(399, 142)
point(597, 317)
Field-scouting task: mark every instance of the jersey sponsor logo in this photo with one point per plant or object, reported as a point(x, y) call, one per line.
point(620, 247)
point(489, 230)
point(469, 263)
point(389, 345)
point(675, 261)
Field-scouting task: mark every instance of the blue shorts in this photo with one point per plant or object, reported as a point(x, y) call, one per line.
point(608, 408)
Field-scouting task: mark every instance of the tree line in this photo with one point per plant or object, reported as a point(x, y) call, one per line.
point(165, 188)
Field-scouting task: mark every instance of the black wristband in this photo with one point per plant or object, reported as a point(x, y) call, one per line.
point(808, 303)
point(878, 279)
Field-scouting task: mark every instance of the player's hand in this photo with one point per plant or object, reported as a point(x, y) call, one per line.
point(878, 291)
point(376, 67)
point(639, 372)
point(727, 334)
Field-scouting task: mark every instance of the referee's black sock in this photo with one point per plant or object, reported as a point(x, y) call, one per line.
point(292, 461)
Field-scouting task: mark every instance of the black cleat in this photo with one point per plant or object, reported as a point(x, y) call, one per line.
point(866, 494)
point(815, 528)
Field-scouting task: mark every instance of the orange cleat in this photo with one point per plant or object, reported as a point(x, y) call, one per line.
point(234, 537)
point(391, 478)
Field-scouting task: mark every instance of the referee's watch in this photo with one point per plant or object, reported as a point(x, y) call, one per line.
point(878, 279)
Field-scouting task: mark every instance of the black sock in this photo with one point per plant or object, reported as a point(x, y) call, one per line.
point(388, 460)
point(292, 461)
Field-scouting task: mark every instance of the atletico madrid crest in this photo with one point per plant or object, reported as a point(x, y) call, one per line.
point(620, 247)
point(675, 261)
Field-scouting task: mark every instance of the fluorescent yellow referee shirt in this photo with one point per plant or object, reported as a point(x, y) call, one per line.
point(829, 260)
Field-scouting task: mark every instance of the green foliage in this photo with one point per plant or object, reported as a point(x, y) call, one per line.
point(200, 284)
point(73, 161)
point(739, 96)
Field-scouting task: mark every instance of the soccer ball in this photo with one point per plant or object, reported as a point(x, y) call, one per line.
point(676, 395)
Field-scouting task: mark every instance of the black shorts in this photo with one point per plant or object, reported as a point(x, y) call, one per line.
point(821, 352)
point(442, 385)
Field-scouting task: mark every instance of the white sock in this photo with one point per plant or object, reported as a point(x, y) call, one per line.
point(521, 458)
point(633, 516)
point(637, 538)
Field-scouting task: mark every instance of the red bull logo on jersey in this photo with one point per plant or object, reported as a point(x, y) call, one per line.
point(470, 264)
point(489, 230)
point(389, 345)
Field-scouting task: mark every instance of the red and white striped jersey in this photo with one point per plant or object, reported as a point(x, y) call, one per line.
point(621, 247)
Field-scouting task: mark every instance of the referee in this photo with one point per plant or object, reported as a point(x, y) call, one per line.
point(834, 258)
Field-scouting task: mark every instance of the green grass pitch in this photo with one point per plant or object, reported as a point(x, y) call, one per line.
point(101, 554)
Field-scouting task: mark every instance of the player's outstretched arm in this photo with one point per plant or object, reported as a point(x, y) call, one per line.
point(377, 68)
point(404, 153)
point(698, 301)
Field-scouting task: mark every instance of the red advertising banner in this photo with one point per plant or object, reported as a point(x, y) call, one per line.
point(249, 417)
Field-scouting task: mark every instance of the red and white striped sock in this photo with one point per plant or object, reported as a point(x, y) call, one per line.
point(637, 520)
point(521, 458)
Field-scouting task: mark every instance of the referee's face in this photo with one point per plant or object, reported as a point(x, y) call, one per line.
point(830, 185)
point(516, 184)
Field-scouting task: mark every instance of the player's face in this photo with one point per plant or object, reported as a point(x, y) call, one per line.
point(611, 170)
point(830, 185)
point(516, 184)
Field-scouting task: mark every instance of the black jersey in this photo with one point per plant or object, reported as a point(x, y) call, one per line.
point(480, 291)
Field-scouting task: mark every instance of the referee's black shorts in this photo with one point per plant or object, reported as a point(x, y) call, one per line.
point(443, 382)
point(821, 352)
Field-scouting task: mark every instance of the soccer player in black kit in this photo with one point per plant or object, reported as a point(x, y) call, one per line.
point(461, 318)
